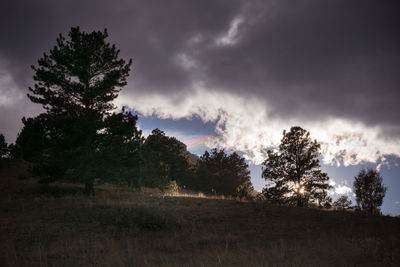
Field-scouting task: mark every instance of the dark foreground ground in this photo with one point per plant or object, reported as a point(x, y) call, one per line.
point(57, 226)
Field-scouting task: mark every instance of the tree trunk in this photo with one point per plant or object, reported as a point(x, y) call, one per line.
point(299, 203)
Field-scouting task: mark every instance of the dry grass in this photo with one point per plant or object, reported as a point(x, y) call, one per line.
point(57, 226)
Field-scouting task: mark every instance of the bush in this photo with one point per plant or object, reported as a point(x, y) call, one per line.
point(342, 203)
point(172, 187)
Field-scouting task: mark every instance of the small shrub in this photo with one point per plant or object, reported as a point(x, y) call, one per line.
point(342, 203)
point(244, 191)
point(172, 187)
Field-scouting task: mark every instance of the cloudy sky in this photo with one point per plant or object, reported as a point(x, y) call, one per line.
point(234, 74)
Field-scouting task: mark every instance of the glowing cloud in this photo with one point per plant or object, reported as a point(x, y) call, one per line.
point(246, 125)
point(342, 189)
point(339, 189)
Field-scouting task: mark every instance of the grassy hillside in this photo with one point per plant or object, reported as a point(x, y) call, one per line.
point(57, 226)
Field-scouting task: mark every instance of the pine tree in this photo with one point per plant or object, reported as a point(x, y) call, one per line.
point(120, 153)
point(223, 174)
point(293, 172)
point(165, 160)
point(76, 84)
point(3, 147)
point(34, 138)
point(80, 77)
point(4, 150)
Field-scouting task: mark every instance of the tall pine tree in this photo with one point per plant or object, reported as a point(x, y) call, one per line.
point(76, 84)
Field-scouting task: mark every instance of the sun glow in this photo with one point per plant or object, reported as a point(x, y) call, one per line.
point(299, 188)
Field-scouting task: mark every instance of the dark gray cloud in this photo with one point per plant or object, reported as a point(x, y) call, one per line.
point(337, 58)
point(308, 59)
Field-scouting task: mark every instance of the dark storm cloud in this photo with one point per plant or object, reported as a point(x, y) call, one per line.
point(307, 59)
point(337, 58)
point(149, 31)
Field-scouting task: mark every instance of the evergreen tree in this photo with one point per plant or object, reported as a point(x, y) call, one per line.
point(165, 160)
point(369, 190)
point(3, 147)
point(223, 174)
point(120, 153)
point(76, 84)
point(34, 138)
point(293, 173)
point(4, 150)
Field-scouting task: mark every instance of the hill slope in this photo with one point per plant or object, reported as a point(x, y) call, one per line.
point(57, 226)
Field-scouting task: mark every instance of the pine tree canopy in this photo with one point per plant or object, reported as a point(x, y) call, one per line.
point(79, 76)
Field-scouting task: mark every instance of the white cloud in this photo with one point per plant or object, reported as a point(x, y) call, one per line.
point(14, 104)
point(185, 61)
point(342, 189)
point(9, 93)
point(231, 36)
point(245, 124)
point(339, 189)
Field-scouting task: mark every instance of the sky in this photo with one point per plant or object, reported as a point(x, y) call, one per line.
point(234, 74)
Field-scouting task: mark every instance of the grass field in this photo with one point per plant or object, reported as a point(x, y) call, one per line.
point(57, 226)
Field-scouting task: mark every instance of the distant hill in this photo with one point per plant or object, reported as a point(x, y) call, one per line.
point(193, 158)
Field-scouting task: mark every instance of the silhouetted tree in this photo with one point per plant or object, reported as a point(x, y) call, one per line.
point(321, 197)
point(293, 173)
point(369, 190)
point(165, 159)
point(342, 203)
point(34, 138)
point(3, 147)
point(221, 173)
point(41, 143)
point(4, 150)
point(15, 151)
point(76, 84)
point(120, 145)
